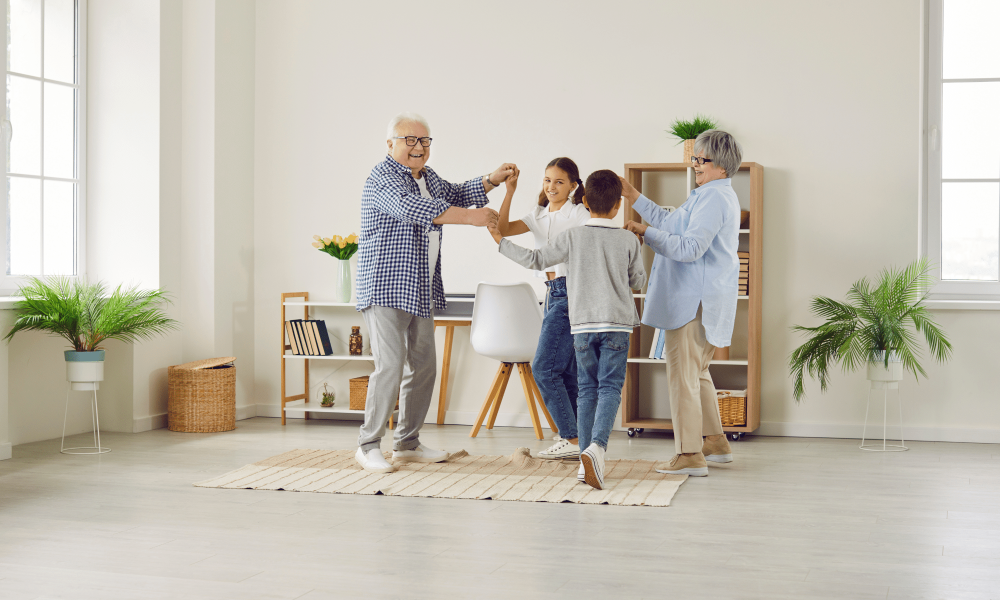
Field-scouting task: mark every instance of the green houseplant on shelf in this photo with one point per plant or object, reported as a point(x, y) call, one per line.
point(875, 328)
point(687, 131)
point(86, 315)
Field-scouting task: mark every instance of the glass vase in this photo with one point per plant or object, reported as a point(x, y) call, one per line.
point(342, 282)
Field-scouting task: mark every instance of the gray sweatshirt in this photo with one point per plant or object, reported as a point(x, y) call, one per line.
point(604, 266)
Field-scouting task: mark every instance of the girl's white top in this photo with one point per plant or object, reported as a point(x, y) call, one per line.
point(546, 226)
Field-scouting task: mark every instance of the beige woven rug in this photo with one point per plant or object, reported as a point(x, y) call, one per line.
point(516, 477)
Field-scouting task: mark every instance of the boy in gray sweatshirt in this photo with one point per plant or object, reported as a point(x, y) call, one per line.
point(604, 266)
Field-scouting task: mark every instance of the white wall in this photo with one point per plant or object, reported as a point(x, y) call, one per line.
point(170, 159)
point(6, 322)
point(600, 82)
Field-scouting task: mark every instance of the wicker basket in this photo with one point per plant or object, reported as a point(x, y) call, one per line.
point(359, 391)
point(202, 396)
point(733, 408)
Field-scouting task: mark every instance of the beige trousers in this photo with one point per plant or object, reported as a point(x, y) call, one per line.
point(694, 406)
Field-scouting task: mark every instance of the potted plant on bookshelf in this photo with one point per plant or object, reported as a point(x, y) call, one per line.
point(85, 315)
point(873, 329)
point(342, 249)
point(687, 131)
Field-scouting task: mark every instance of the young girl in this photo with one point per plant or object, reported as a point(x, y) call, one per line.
point(554, 365)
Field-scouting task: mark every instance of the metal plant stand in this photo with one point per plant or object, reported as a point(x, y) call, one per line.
point(96, 448)
point(885, 386)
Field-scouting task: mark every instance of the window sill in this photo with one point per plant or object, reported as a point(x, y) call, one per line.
point(962, 304)
point(7, 302)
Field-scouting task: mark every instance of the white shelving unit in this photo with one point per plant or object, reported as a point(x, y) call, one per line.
point(299, 404)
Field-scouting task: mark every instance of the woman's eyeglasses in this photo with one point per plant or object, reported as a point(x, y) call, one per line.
point(411, 140)
point(695, 160)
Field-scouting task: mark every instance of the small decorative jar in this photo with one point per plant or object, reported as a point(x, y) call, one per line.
point(356, 342)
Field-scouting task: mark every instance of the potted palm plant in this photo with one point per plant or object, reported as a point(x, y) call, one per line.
point(85, 315)
point(873, 329)
point(687, 131)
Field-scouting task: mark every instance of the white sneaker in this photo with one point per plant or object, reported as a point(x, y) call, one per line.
point(561, 450)
point(580, 474)
point(420, 454)
point(592, 461)
point(373, 461)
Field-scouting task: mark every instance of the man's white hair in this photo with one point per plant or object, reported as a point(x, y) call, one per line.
point(406, 117)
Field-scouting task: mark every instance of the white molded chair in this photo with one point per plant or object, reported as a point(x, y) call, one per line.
point(506, 323)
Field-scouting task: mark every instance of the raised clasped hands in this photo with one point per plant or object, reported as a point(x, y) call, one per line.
point(511, 181)
point(502, 173)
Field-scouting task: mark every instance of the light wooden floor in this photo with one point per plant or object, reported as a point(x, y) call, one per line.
point(791, 518)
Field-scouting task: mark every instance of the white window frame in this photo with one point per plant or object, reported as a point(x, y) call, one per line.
point(9, 284)
point(946, 294)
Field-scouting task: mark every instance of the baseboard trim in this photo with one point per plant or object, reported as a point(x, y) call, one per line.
point(246, 412)
point(768, 428)
point(149, 423)
point(6, 451)
point(853, 432)
point(160, 421)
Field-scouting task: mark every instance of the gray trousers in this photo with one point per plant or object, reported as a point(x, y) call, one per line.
point(405, 368)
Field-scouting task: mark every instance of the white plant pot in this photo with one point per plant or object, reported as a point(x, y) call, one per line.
point(878, 372)
point(84, 369)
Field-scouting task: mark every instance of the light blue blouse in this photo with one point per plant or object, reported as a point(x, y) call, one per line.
point(696, 261)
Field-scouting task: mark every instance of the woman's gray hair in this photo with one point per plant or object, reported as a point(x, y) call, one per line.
point(407, 117)
point(722, 148)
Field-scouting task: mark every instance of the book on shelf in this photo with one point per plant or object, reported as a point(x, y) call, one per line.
point(300, 333)
point(314, 336)
point(319, 329)
point(307, 336)
point(656, 348)
point(294, 343)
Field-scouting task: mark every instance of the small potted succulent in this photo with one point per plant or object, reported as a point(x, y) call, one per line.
point(688, 131)
point(86, 315)
point(328, 397)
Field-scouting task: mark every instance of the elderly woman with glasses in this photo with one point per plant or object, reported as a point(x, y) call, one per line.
point(692, 295)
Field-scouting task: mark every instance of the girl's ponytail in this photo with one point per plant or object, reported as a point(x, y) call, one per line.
point(578, 193)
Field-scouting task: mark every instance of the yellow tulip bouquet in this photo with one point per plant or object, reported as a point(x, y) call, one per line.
point(337, 247)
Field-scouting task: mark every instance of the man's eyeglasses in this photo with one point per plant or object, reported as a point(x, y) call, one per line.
point(695, 160)
point(411, 140)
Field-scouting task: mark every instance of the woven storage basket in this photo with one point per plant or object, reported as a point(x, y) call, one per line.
point(202, 396)
point(359, 391)
point(733, 408)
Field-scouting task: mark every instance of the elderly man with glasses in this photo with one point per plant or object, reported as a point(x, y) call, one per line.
point(403, 206)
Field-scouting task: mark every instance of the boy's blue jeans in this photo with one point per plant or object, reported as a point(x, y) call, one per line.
point(554, 365)
point(601, 359)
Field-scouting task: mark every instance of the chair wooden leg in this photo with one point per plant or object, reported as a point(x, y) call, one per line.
point(490, 398)
point(529, 396)
point(541, 402)
point(500, 393)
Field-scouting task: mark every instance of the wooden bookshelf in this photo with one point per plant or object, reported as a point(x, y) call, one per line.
point(631, 417)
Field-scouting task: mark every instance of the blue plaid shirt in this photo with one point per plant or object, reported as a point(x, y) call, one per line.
point(393, 268)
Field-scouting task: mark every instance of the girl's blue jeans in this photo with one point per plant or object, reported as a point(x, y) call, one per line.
point(554, 365)
point(601, 359)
